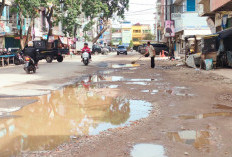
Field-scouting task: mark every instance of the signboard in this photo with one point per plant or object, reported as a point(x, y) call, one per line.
point(126, 36)
point(176, 16)
point(169, 28)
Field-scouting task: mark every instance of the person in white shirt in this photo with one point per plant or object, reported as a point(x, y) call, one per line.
point(151, 51)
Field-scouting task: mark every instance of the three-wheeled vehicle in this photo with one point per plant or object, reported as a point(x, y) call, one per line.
point(219, 48)
point(57, 50)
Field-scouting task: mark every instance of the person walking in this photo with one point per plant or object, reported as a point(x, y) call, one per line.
point(151, 51)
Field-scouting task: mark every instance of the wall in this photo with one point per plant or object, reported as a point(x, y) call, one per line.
point(215, 4)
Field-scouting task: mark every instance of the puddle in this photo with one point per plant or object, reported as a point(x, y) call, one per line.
point(145, 91)
point(137, 83)
point(206, 115)
point(113, 86)
point(148, 150)
point(154, 92)
point(179, 91)
point(125, 65)
point(106, 78)
point(74, 111)
point(198, 139)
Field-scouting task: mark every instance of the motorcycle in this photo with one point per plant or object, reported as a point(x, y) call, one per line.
point(29, 65)
point(19, 58)
point(85, 58)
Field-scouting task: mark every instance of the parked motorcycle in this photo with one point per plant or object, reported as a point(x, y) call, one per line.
point(19, 58)
point(29, 65)
point(85, 58)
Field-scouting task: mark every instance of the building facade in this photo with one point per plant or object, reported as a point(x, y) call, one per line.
point(180, 19)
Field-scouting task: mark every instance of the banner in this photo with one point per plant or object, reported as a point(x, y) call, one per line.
point(169, 29)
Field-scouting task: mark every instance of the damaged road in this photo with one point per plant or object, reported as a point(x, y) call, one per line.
point(118, 109)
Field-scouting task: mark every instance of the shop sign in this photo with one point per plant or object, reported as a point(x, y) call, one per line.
point(176, 16)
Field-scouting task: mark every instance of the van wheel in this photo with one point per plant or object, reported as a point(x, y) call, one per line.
point(49, 59)
point(60, 59)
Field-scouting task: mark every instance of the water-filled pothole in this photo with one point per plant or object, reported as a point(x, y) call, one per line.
point(125, 65)
point(148, 150)
point(198, 139)
point(73, 111)
point(206, 115)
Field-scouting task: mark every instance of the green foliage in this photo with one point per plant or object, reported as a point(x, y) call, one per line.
point(104, 10)
point(120, 42)
point(131, 44)
point(68, 15)
point(29, 8)
point(149, 37)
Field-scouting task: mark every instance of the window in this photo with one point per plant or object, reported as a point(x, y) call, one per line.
point(191, 5)
point(135, 39)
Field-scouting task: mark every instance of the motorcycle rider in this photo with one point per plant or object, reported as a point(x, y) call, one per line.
point(31, 52)
point(87, 49)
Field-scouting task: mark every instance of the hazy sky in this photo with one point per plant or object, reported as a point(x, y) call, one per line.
point(141, 11)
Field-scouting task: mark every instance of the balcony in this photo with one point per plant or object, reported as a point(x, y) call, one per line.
point(205, 8)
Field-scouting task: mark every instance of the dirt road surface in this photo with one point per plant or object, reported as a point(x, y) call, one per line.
point(124, 111)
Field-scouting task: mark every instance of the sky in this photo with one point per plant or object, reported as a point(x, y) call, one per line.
point(141, 11)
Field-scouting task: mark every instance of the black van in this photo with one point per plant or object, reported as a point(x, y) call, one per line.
point(160, 47)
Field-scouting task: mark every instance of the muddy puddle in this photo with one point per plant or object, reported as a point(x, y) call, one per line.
point(77, 110)
point(148, 150)
point(179, 91)
point(199, 139)
point(124, 65)
point(206, 115)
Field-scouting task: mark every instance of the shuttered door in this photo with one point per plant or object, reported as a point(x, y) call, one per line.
point(191, 5)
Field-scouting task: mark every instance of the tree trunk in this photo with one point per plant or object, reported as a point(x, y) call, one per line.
point(21, 30)
point(2, 8)
point(29, 31)
point(99, 35)
point(49, 20)
point(75, 31)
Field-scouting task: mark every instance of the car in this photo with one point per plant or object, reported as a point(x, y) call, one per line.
point(96, 48)
point(160, 47)
point(122, 50)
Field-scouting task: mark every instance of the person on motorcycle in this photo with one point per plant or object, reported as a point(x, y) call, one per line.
point(31, 52)
point(87, 49)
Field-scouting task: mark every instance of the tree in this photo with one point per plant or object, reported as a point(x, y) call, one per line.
point(120, 42)
point(68, 16)
point(104, 10)
point(2, 8)
point(28, 9)
point(131, 44)
point(149, 37)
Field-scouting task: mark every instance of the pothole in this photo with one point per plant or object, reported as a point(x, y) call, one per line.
point(148, 150)
point(74, 111)
point(199, 139)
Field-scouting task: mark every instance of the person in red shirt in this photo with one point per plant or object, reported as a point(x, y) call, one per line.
point(87, 49)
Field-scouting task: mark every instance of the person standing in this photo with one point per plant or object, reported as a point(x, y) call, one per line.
point(151, 51)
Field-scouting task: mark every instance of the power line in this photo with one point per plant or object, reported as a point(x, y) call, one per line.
point(141, 4)
point(140, 11)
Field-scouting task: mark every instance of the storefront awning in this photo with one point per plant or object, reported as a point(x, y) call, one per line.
point(225, 33)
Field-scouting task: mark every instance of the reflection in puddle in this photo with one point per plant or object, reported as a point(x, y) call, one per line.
point(199, 139)
point(145, 91)
point(73, 111)
point(113, 86)
point(125, 65)
point(148, 150)
point(137, 83)
point(154, 92)
point(206, 115)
